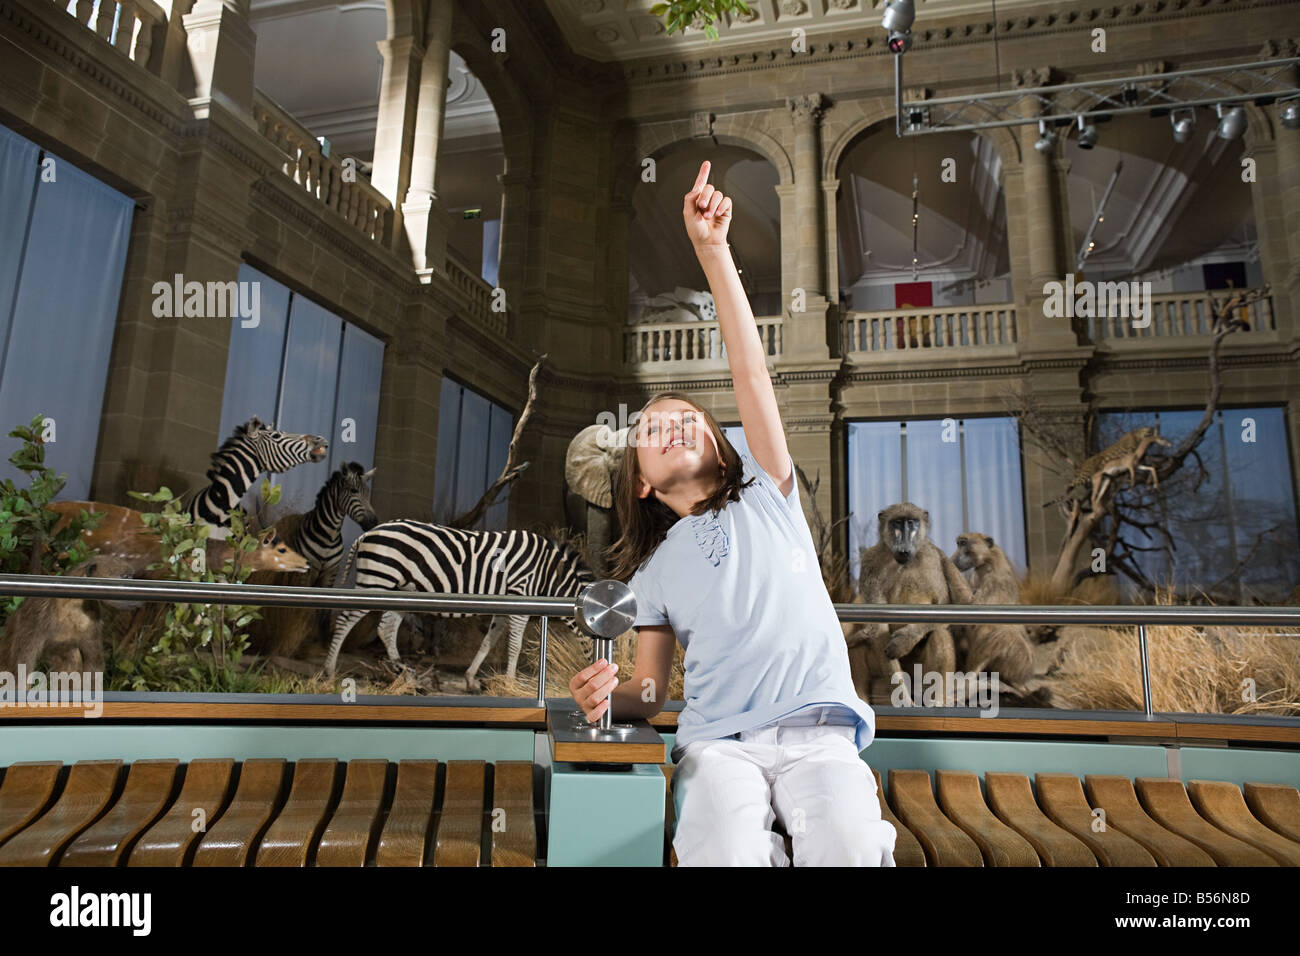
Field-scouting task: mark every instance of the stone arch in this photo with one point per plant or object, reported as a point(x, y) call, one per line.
point(654, 139)
point(405, 19)
point(841, 135)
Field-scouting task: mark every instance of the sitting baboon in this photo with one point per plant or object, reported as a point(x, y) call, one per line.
point(905, 567)
point(1004, 648)
point(60, 629)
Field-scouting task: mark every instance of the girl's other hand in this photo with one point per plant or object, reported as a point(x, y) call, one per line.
point(707, 212)
point(592, 686)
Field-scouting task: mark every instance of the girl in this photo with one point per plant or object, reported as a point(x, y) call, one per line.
point(721, 559)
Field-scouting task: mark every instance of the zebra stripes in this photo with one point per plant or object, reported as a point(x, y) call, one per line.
point(417, 556)
point(252, 449)
point(319, 536)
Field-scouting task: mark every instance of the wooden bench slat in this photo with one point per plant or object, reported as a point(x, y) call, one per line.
point(1012, 799)
point(512, 792)
point(355, 824)
point(1115, 795)
point(460, 824)
point(962, 802)
point(1062, 799)
point(406, 831)
point(1167, 802)
point(149, 785)
point(24, 793)
point(1223, 805)
point(1275, 805)
point(907, 850)
point(89, 789)
point(167, 842)
point(945, 843)
point(230, 842)
point(297, 828)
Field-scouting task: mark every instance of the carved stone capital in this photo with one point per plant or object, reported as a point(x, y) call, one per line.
point(702, 124)
point(807, 108)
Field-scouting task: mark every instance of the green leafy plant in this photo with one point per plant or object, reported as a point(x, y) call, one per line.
point(698, 14)
point(28, 541)
point(200, 644)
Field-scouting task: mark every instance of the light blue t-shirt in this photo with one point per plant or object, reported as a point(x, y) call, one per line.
point(743, 592)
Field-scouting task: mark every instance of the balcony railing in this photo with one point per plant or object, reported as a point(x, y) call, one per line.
point(324, 178)
point(690, 342)
point(67, 586)
point(477, 295)
point(133, 27)
point(962, 326)
point(1180, 314)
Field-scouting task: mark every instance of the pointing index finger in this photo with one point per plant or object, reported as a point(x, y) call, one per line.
point(702, 177)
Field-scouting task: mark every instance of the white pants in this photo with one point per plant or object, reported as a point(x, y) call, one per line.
point(728, 792)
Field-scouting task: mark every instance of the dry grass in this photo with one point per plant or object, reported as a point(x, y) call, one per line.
point(1213, 671)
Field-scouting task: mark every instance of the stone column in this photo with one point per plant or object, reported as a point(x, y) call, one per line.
point(426, 222)
point(511, 267)
point(805, 336)
point(221, 48)
point(395, 132)
point(1038, 226)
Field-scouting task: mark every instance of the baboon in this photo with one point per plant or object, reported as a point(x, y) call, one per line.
point(61, 629)
point(1004, 648)
point(905, 567)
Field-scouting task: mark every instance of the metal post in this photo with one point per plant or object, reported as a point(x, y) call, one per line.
point(1146, 674)
point(541, 666)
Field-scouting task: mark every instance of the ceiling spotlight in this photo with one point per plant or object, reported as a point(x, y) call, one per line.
point(1290, 114)
point(1231, 123)
point(1182, 124)
point(1046, 138)
point(898, 18)
point(1087, 135)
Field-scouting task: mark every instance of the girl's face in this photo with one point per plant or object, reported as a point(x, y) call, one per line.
point(674, 445)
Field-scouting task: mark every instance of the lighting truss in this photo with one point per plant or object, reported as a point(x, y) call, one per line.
point(1262, 82)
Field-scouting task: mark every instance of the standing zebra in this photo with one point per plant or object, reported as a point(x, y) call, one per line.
point(416, 556)
point(319, 536)
point(252, 449)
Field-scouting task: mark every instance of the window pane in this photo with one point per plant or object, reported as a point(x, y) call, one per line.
point(934, 478)
point(875, 480)
point(444, 497)
point(994, 491)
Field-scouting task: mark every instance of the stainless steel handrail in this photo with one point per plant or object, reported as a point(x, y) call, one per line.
point(182, 592)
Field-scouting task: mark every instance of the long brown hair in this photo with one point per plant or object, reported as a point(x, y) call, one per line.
point(645, 521)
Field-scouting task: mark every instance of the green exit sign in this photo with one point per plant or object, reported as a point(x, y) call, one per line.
point(473, 213)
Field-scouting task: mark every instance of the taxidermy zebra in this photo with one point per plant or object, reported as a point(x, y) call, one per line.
point(416, 556)
point(252, 449)
point(319, 536)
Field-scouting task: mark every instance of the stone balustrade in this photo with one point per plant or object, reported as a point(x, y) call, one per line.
point(961, 326)
point(330, 181)
point(690, 342)
point(476, 295)
point(1180, 314)
point(133, 27)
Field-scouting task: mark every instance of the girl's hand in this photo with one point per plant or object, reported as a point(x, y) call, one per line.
point(592, 686)
point(707, 212)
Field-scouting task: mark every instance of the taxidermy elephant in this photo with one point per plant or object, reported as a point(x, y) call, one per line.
point(589, 467)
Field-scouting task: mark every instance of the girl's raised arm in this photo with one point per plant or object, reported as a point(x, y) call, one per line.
point(708, 216)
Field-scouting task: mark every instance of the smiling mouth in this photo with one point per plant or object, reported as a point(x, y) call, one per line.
point(677, 443)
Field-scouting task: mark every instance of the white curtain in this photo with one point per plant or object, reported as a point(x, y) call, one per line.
point(307, 391)
point(994, 491)
point(934, 478)
point(61, 316)
point(473, 441)
point(875, 480)
point(256, 355)
point(444, 473)
point(360, 374)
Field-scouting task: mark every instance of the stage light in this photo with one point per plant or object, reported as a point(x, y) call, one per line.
point(1290, 114)
point(1046, 138)
point(1231, 123)
point(1087, 135)
point(1182, 124)
point(898, 18)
